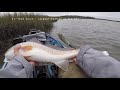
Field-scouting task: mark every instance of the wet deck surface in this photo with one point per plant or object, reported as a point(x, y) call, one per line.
point(74, 71)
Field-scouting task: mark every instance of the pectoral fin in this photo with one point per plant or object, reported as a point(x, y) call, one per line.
point(63, 64)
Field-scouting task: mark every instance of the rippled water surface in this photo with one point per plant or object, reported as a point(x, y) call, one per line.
point(100, 34)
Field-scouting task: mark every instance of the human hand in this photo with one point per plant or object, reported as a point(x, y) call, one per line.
point(74, 60)
point(17, 53)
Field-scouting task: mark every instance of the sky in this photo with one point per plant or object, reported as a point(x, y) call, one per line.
point(105, 15)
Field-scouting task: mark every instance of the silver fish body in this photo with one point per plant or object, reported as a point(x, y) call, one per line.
point(42, 53)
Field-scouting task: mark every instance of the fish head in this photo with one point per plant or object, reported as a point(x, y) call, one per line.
point(26, 51)
point(31, 53)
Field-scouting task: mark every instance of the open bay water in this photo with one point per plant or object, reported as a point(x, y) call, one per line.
point(100, 34)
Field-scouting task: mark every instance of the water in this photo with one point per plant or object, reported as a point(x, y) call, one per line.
point(100, 34)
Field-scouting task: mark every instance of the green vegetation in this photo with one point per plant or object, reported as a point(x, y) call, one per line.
point(11, 26)
point(75, 16)
point(19, 24)
point(85, 17)
point(106, 20)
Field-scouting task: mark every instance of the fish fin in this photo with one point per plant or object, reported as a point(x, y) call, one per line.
point(34, 40)
point(64, 64)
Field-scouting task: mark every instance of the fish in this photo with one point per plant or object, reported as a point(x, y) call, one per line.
point(41, 53)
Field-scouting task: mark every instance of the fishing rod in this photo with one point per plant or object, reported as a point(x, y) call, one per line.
point(61, 37)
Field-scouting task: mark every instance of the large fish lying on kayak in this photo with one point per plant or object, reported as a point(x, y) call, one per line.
point(41, 53)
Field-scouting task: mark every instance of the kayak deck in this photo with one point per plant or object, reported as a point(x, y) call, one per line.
point(42, 70)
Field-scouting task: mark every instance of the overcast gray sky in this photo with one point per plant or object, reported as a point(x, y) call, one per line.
point(107, 15)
